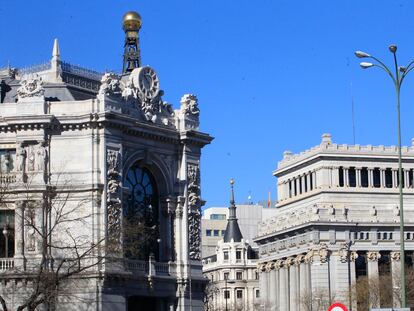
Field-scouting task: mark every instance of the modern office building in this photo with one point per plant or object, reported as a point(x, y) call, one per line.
point(232, 270)
point(338, 217)
point(100, 188)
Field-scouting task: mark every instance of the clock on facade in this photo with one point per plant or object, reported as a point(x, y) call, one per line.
point(146, 82)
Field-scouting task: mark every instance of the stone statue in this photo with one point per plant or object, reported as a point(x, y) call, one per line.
point(41, 157)
point(31, 159)
point(189, 105)
point(111, 85)
point(21, 159)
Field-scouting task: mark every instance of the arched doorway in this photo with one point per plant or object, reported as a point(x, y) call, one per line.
point(141, 214)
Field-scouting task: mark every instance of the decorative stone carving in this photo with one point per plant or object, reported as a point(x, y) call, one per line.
point(373, 256)
point(114, 220)
point(323, 252)
point(30, 229)
point(189, 105)
point(31, 85)
point(373, 211)
point(343, 252)
point(194, 211)
point(395, 256)
point(110, 85)
point(262, 267)
point(270, 266)
point(278, 264)
point(31, 159)
point(21, 158)
point(353, 256)
point(309, 256)
point(289, 262)
point(299, 259)
point(41, 157)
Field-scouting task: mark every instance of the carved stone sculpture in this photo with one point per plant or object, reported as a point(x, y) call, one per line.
point(114, 206)
point(323, 253)
point(395, 256)
point(189, 105)
point(31, 85)
point(194, 212)
point(373, 256)
point(41, 157)
point(110, 85)
point(21, 158)
point(343, 252)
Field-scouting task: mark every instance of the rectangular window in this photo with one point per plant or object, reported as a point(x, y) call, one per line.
point(7, 233)
point(7, 161)
point(239, 293)
point(290, 188)
point(238, 255)
point(257, 293)
point(341, 176)
point(208, 232)
point(364, 177)
point(257, 275)
point(410, 178)
point(311, 180)
point(226, 275)
point(223, 232)
point(295, 192)
point(377, 177)
point(216, 232)
point(352, 177)
point(226, 255)
point(218, 216)
point(306, 183)
point(226, 294)
point(388, 178)
point(300, 185)
point(239, 275)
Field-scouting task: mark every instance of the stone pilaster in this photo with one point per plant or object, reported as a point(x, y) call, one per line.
point(264, 292)
point(396, 278)
point(284, 287)
point(272, 283)
point(373, 277)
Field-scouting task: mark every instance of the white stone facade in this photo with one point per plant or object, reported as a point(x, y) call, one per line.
point(338, 219)
point(232, 273)
point(68, 130)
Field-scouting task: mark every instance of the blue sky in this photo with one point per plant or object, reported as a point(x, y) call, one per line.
point(270, 75)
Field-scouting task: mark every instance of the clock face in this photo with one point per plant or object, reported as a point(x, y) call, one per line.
point(148, 84)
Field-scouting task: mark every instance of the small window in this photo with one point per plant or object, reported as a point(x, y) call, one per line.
point(377, 177)
point(216, 232)
point(390, 235)
point(208, 232)
point(226, 294)
point(385, 236)
point(238, 255)
point(223, 232)
point(226, 275)
point(239, 275)
point(257, 275)
point(364, 177)
point(306, 183)
point(388, 178)
point(226, 255)
point(311, 181)
point(290, 188)
point(300, 185)
point(295, 186)
point(257, 293)
point(352, 177)
point(341, 176)
point(239, 293)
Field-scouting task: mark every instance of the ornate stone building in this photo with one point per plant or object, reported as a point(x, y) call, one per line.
point(232, 270)
point(100, 185)
point(338, 221)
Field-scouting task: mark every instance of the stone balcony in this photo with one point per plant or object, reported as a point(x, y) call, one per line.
point(6, 264)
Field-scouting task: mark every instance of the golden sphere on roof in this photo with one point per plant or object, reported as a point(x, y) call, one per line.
point(131, 21)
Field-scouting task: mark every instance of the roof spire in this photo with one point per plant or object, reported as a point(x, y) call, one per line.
point(232, 231)
point(56, 51)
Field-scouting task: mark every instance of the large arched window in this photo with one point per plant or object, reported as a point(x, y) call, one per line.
point(141, 224)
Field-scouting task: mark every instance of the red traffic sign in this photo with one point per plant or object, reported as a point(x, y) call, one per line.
point(337, 307)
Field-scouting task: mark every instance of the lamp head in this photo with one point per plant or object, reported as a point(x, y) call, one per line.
point(365, 65)
point(361, 54)
point(392, 48)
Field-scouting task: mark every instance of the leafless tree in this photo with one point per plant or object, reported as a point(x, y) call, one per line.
point(210, 294)
point(316, 300)
point(56, 220)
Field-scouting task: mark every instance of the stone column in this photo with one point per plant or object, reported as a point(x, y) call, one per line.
point(396, 277)
point(301, 278)
point(293, 284)
point(272, 284)
point(335, 177)
point(353, 257)
point(302, 180)
point(406, 177)
point(319, 269)
point(284, 287)
point(263, 283)
point(370, 177)
point(346, 177)
point(19, 260)
point(314, 181)
point(382, 177)
point(307, 176)
point(358, 177)
point(394, 178)
point(373, 276)
point(278, 266)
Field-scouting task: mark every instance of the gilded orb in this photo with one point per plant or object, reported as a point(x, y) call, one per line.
point(131, 21)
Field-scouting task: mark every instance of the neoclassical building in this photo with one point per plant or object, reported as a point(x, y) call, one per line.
point(232, 270)
point(100, 188)
point(337, 221)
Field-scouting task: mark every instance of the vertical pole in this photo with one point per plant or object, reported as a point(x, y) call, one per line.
point(403, 294)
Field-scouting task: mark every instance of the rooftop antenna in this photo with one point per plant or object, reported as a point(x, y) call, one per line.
point(353, 114)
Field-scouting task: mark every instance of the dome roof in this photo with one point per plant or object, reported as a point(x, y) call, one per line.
point(131, 21)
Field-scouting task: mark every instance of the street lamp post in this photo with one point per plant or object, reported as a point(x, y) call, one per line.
point(226, 281)
point(397, 78)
